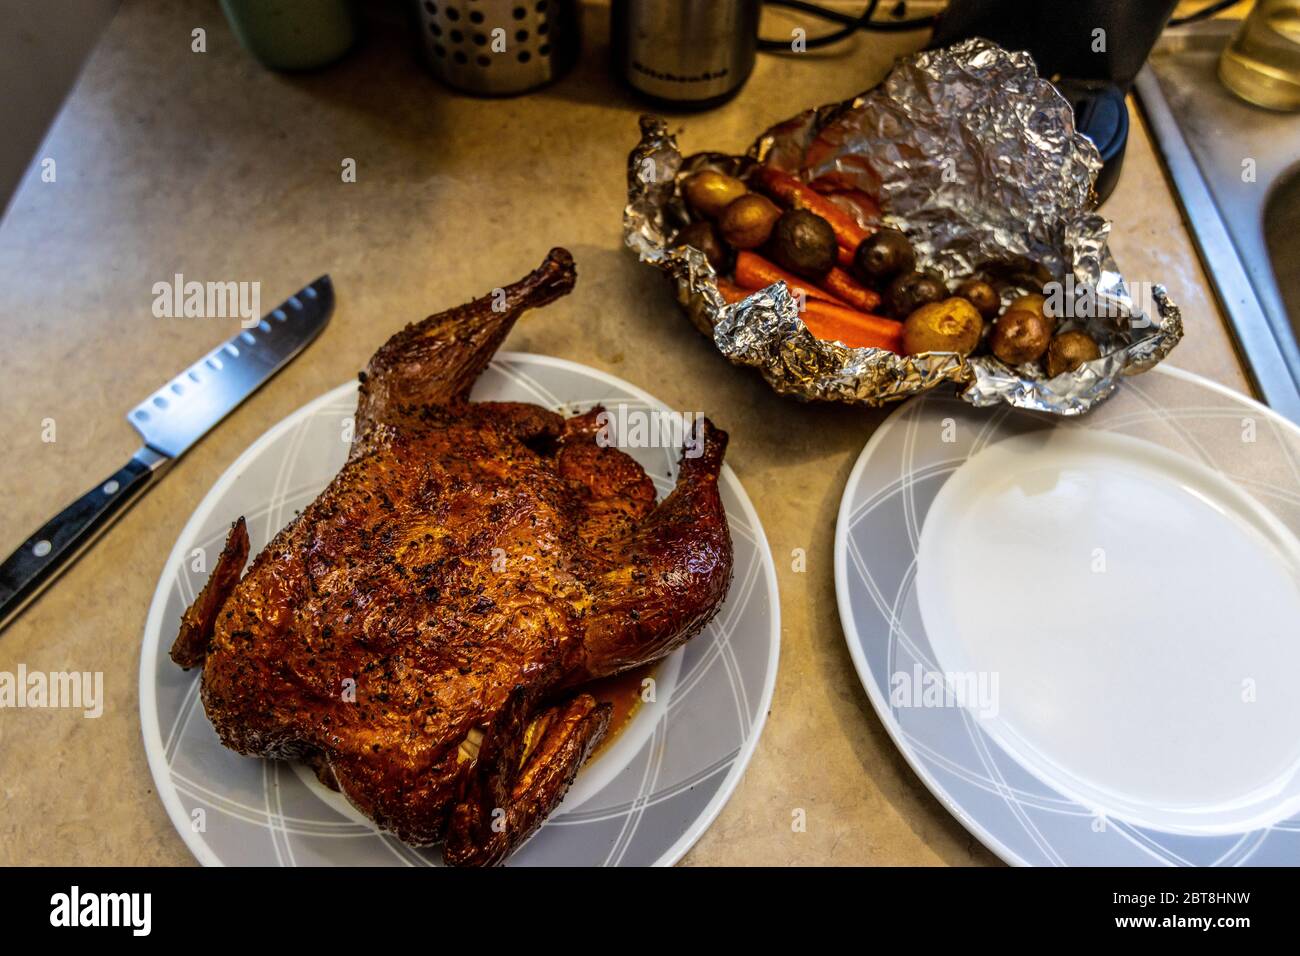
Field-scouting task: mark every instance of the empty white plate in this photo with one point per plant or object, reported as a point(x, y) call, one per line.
point(1085, 634)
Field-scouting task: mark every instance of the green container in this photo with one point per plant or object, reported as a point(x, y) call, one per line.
point(292, 34)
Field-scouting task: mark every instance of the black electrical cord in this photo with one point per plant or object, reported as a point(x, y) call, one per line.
point(1202, 14)
point(849, 24)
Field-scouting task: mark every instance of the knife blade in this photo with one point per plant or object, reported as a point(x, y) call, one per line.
point(170, 421)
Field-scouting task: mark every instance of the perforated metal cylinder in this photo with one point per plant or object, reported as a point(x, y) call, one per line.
point(498, 47)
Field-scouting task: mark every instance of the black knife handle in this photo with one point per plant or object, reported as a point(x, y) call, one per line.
point(57, 543)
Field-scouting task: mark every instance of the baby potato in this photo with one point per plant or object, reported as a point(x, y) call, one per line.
point(1020, 336)
point(1068, 351)
point(1033, 302)
point(704, 237)
point(883, 256)
point(911, 290)
point(953, 325)
point(747, 222)
point(981, 295)
point(709, 192)
point(803, 243)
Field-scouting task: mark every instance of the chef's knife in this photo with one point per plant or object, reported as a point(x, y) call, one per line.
point(170, 420)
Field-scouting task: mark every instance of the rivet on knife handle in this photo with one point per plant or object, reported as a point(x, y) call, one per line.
point(170, 420)
point(58, 542)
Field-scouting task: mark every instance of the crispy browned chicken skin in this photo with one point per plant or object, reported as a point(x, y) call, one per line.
point(422, 631)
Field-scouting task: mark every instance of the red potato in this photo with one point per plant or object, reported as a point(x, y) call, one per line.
point(795, 194)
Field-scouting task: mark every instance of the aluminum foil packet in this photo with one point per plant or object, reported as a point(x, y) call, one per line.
point(976, 158)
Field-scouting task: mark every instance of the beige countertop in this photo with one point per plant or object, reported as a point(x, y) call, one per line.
point(205, 164)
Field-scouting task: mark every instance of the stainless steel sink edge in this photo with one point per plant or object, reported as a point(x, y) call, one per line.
point(1249, 297)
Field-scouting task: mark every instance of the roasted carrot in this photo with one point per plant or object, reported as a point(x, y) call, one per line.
point(732, 292)
point(867, 208)
point(853, 328)
point(754, 272)
point(844, 257)
point(843, 286)
point(799, 195)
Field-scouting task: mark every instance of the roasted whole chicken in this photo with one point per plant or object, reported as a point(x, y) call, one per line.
point(422, 632)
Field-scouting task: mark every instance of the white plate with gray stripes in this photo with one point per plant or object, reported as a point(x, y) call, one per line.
point(643, 800)
point(1083, 634)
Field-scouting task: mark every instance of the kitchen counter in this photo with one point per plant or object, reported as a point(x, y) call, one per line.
point(170, 161)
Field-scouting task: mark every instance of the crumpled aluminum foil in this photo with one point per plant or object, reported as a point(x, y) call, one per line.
point(976, 158)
